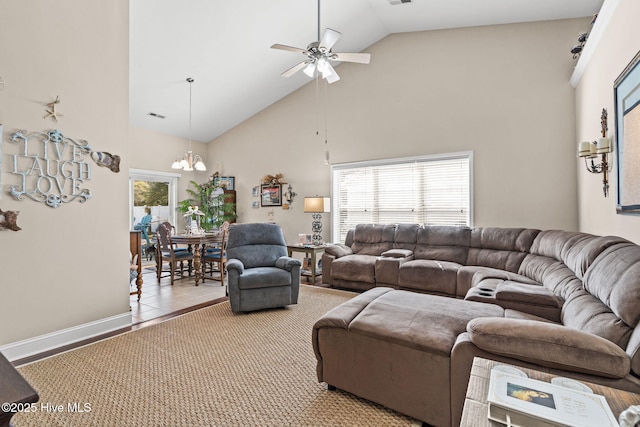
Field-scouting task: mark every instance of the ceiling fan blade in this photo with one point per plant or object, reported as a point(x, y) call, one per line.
point(329, 38)
point(289, 48)
point(291, 71)
point(362, 58)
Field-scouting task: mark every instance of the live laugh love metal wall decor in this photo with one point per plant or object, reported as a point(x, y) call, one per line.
point(52, 168)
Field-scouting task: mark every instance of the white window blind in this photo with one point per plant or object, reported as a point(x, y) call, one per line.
point(433, 190)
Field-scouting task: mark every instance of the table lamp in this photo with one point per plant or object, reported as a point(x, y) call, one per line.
point(317, 206)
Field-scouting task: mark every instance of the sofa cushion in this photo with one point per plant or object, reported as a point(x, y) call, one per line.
point(356, 268)
point(338, 250)
point(553, 274)
point(502, 248)
point(581, 255)
point(443, 243)
point(614, 279)
point(429, 276)
point(405, 237)
point(264, 277)
point(373, 239)
point(549, 345)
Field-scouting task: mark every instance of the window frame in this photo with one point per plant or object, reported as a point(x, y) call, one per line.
point(468, 155)
point(155, 176)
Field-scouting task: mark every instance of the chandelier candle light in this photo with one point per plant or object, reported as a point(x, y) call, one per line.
point(317, 206)
point(189, 162)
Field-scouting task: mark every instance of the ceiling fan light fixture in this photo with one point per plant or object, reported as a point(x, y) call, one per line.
point(310, 69)
point(323, 67)
point(319, 54)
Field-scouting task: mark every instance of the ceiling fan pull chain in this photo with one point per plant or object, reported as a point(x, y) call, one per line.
point(317, 105)
point(326, 110)
point(318, 21)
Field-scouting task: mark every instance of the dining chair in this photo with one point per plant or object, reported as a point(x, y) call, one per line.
point(216, 255)
point(168, 253)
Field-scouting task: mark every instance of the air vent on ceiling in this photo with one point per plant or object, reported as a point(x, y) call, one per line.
point(156, 115)
point(400, 1)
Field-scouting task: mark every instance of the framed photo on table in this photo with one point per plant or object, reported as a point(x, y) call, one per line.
point(225, 182)
point(271, 195)
point(627, 106)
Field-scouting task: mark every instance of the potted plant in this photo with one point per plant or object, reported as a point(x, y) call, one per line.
point(213, 202)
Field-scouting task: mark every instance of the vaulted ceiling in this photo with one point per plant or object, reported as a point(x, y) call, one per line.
point(225, 47)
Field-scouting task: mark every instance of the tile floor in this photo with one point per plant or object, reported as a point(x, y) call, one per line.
point(161, 299)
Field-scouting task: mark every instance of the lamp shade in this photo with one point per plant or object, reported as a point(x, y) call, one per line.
point(586, 149)
point(603, 146)
point(317, 204)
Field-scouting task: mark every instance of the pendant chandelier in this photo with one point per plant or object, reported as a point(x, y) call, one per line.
point(189, 162)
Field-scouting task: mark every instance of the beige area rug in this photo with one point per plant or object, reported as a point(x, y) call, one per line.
point(205, 368)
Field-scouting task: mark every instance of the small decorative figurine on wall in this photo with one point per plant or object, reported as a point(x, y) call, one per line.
point(9, 220)
point(107, 160)
point(51, 110)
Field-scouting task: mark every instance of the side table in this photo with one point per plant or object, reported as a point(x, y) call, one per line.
point(311, 251)
point(14, 389)
point(476, 408)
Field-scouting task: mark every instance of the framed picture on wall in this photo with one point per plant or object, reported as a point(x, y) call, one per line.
point(226, 182)
point(271, 195)
point(627, 107)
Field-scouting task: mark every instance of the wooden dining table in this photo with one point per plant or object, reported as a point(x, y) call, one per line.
point(197, 244)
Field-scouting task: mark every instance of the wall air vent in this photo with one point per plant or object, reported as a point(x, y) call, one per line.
point(394, 2)
point(156, 115)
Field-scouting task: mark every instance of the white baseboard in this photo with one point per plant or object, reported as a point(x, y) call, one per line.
point(53, 340)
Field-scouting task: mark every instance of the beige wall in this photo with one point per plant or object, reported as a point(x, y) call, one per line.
point(68, 265)
point(620, 43)
point(499, 91)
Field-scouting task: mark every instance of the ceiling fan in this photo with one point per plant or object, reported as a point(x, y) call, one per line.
point(319, 55)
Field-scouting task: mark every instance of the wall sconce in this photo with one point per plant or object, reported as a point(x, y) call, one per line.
point(289, 194)
point(590, 150)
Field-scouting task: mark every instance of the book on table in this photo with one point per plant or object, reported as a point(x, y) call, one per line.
point(524, 402)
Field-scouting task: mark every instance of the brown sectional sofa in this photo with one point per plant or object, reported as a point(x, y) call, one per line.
point(566, 301)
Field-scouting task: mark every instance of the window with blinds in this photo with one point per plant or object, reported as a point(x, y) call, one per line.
point(433, 190)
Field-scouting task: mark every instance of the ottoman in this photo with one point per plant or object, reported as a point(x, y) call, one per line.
point(393, 347)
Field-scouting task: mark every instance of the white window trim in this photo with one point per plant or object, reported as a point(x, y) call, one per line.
point(397, 160)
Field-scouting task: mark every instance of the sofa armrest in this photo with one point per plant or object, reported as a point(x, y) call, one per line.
point(550, 345)
point(338, 250)
point(387, 269)
point(530, 294)
point(236, 265)
point(287, 263)
point(398, 253)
